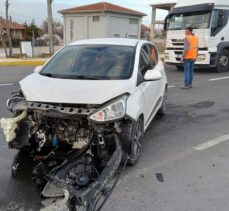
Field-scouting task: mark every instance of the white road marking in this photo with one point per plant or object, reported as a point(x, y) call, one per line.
point(171, 86)
point(7, 84)
point(216, 79)
point(212, 143)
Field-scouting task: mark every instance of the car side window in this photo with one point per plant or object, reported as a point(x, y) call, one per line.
point(145, 60)
point(153, 55)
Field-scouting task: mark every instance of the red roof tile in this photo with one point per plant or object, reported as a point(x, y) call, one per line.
point(12, 25)
point(101, 7)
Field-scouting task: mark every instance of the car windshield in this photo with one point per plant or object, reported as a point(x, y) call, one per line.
point(198, 20)
point(93, 62)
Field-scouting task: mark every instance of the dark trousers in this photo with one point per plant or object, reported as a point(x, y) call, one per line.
point(188, 72)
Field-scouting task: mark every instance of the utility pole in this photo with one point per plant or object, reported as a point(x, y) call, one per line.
point(8, 29)
point(50, 27)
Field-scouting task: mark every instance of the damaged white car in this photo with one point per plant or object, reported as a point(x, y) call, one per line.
point(83, 114)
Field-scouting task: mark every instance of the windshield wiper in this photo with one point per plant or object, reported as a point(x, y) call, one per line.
point(69, 76)
point(47, 74)
point(84, 77)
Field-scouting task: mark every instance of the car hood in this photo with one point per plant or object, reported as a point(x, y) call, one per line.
point(38, 88)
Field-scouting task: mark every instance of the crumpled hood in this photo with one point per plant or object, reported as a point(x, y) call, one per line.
point(38, 88)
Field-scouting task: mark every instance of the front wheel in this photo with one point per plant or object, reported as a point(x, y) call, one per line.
point(131, 136)
point(21, 162)
point(223, 61)
point(163, 108)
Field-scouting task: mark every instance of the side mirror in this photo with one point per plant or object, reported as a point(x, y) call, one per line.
point(38, 69)
point(153, 75)
point(166, 23)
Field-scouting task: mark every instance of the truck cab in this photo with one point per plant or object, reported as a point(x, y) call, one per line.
point(209, 19)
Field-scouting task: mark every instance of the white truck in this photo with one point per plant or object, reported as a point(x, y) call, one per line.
point(209, 19)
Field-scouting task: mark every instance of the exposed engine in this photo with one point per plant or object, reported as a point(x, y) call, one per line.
point(69, 151)
point(52, 131)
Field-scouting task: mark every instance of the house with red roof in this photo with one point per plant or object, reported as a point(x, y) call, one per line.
point(101, 20)
point(17, 30)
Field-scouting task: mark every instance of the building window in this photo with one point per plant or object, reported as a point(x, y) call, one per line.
point(133, 36)
point(96, 18)
point(116, 35)
point(71, 24)
point(71, 29)
point(133, 21)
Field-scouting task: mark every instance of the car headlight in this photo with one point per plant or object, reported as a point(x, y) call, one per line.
point(113, 111)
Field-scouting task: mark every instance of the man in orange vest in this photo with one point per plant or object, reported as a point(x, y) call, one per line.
point(189, 56)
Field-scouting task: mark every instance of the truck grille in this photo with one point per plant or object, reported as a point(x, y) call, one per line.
point(178, 42)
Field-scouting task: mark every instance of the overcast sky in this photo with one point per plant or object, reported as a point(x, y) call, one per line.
point(27, 10)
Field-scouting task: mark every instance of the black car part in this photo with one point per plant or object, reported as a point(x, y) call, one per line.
point(90, 196)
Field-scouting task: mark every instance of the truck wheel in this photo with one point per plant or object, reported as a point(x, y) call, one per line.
point(223, 61)
point(179, 67)
point(131, 136)
point(162, 110)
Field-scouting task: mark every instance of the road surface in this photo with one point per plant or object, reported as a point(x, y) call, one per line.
point(184, 163)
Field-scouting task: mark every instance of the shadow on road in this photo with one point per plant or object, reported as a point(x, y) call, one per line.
point(19, 192)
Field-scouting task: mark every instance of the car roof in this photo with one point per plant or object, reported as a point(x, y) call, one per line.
point(109, 41)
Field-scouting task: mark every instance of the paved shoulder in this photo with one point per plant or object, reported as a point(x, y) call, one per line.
point(22, 62)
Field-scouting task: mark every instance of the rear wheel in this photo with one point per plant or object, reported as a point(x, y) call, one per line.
point(131, 136)
point(223, 61)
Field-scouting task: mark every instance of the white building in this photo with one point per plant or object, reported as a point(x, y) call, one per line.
point(101, 20)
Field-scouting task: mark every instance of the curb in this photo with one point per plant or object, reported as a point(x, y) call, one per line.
point(21, 63)
point(37, 62)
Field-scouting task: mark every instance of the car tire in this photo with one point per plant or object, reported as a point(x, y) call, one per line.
point(223, 61)
point(20, 161)
point(131, 136)
point(163, 108)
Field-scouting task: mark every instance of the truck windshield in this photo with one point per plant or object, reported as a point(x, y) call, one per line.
point(197, 20)
point(91, 62)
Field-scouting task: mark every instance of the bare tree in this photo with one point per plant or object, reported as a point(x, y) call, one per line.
point(57, 27)
point(3, 40)
point(8, 29)
point(50, 26)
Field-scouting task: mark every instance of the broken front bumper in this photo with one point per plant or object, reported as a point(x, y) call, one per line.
point(90, 196)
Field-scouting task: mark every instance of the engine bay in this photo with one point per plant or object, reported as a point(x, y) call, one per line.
point(69, 151)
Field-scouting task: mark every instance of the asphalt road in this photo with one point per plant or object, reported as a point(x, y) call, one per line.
point(176, 171)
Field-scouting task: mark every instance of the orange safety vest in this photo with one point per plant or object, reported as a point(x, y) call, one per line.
point(153, 56)
point(193, 47)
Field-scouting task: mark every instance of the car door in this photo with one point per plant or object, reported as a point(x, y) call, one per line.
point(150, 89)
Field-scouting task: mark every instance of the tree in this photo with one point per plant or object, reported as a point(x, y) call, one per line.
point(3, 40)
point(44, 26)
point(7, 4)
point(50, 27)
point(57, 28)
point(33, 29)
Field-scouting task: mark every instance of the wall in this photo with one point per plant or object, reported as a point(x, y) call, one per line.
point(119, 25)
point(84, 26)
point(17, 34)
